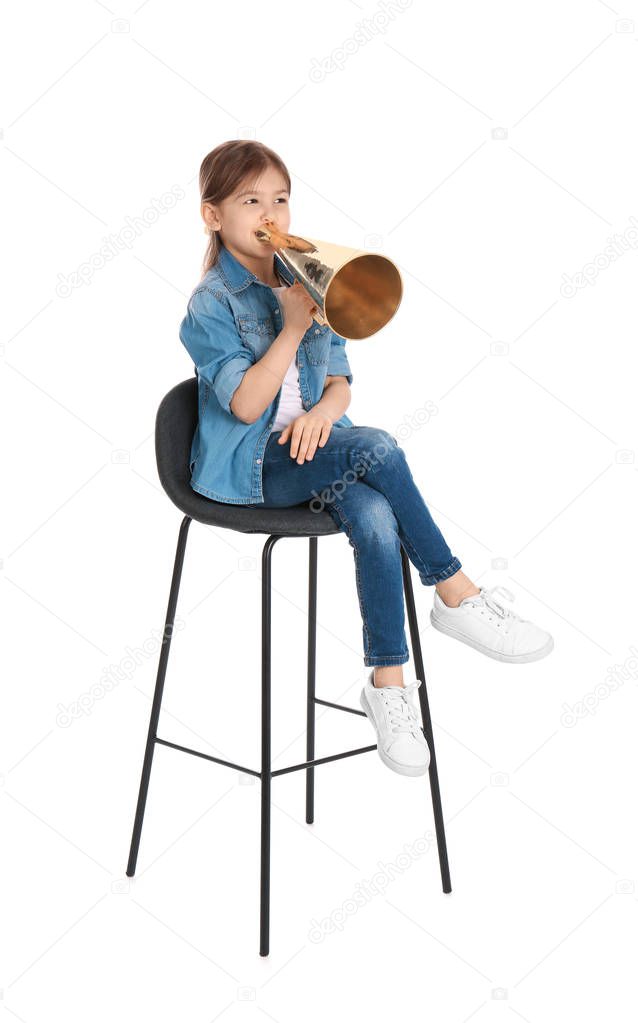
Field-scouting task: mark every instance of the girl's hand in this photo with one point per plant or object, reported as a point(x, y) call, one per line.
point(307, 431)
point(297, 307)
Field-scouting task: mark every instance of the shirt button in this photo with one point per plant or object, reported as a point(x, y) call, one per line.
point(259, 461)
point(316, 330)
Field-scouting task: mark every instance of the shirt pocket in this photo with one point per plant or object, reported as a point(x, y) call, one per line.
point(316, 343)
point(257, 332)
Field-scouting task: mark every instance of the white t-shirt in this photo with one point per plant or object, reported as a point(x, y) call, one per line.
point(290, 404)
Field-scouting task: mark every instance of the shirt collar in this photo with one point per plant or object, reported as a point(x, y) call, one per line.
point(237, 277)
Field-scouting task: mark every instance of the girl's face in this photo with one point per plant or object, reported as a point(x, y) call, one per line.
point(241, 214)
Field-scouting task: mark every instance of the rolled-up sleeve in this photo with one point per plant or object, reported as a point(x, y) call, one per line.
point(210, 335)
point(338, 365)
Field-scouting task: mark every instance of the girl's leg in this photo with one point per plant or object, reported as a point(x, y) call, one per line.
point(371, 455)
point(367, 519)
point(374, 531)
point(453, 590)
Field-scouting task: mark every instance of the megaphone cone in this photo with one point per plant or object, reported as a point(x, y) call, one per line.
point(356, 292)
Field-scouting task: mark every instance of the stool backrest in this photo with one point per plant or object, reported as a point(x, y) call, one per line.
point(175, 425)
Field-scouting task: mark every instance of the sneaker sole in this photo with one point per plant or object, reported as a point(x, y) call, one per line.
point(534, 655)
point(406, 769)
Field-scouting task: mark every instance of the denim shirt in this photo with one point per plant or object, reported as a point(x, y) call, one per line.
point(231, 320)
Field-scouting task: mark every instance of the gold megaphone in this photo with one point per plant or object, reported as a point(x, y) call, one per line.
point(356, 292)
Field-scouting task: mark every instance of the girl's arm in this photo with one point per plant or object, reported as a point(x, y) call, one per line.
point(335, 399)
point(261, 382)
point(210, 336)
point(243, 387)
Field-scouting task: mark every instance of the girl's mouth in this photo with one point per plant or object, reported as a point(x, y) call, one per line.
point(263, 234)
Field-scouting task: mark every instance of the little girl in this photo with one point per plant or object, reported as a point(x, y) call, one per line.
point(273, 432)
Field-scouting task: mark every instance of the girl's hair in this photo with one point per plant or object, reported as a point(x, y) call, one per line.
point(222, 172)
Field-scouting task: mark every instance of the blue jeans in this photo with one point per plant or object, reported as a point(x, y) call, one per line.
point(362, 478)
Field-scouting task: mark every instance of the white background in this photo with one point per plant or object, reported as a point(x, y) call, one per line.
point(490, 150)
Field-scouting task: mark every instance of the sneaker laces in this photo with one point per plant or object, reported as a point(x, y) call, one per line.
point(401, 713)
point(487, 596)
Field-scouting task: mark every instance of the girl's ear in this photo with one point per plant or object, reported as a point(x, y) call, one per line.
point(211, 217)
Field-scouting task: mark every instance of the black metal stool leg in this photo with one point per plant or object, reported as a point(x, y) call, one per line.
point(427, 723)
point(312, 660)
point(157, 698)
point(266, 775)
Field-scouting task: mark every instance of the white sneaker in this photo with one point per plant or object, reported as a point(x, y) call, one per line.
point(401, 742)
point(481, 622)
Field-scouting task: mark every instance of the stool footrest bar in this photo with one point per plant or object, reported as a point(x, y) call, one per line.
point(339, 706)
point(207, 756)
point(322, 760)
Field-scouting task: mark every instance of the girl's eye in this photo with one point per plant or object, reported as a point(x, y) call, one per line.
point(278, 200)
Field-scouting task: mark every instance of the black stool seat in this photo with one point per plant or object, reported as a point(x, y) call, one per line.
point(175, 425)
point(174, 429)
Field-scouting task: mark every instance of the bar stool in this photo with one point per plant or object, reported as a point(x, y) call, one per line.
point(174, 428)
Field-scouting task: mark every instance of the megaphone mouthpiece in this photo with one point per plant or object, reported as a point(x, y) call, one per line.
point(280, 240)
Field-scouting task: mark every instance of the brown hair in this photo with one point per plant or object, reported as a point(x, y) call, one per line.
point(224, 169)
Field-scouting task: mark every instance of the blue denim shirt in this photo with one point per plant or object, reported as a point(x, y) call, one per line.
point(232, 319)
